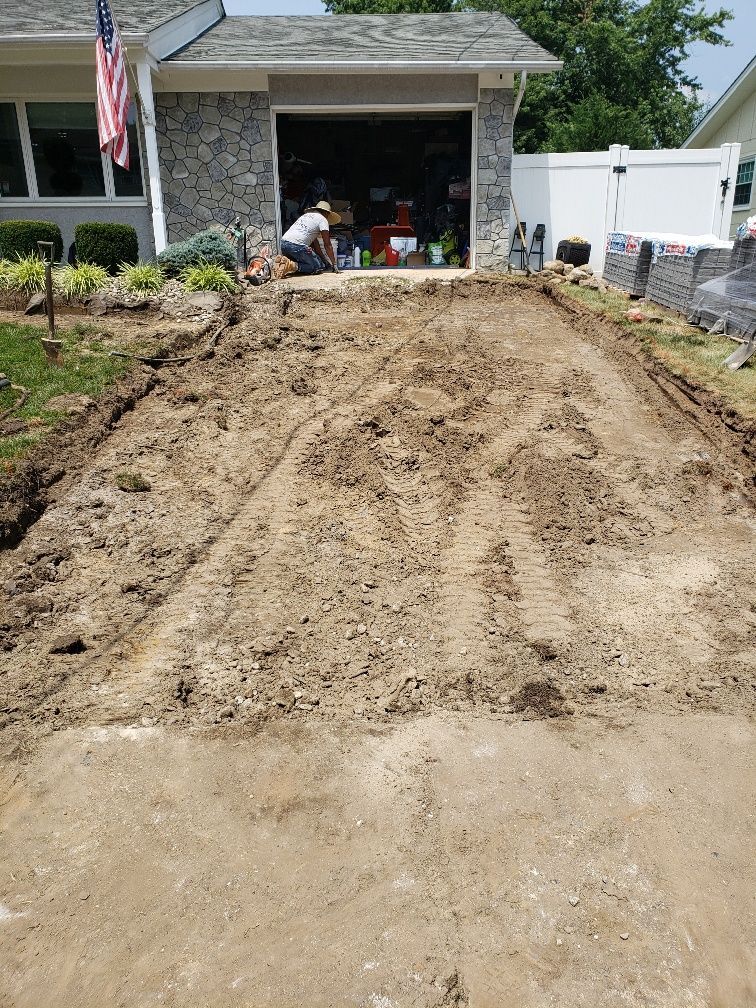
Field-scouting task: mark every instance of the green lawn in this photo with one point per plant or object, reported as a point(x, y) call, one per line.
point(87, 370)
point(685, 350)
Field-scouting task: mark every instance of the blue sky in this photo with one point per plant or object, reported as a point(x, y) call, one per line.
point(716, 68)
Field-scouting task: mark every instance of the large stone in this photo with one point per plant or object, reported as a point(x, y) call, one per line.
point(219, 145)
point(556, 265)
point(216, 171)
point(192, 123)
point(210, 114)
point(487, 176)
point(209, 132)
point(188, 101)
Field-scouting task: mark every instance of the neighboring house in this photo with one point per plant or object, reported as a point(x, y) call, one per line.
point(216, 92)
point(733, 120)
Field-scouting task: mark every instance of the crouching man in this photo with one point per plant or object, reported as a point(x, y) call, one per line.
point(308, 240)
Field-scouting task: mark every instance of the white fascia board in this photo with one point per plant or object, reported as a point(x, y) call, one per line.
point(71, 50)
point(185, 28)
point(414, 66)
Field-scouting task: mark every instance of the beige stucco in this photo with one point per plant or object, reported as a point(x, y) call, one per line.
point(733, 120)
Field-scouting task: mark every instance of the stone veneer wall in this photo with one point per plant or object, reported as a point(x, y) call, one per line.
point(494, 177)
point(216, 161)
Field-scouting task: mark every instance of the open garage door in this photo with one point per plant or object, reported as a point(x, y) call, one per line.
point(390, 174)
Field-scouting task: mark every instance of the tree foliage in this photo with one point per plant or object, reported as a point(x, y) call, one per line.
point(624, 78)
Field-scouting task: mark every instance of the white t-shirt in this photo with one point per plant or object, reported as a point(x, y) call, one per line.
point(305, 230)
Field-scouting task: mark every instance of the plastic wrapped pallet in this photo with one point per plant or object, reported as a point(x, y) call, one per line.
point(673, 278)
point(729, 299)
point(627, 262)
point(743, 252)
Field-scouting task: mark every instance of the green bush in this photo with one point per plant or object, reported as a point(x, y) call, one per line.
point(26, 275)
point(20, 237)
point(6, 268)
point(207, 277)
point(82, 279)
point(205, 247)
point(106, 245)
point(141, 278)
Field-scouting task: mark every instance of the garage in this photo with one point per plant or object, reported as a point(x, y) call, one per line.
point(401, 181)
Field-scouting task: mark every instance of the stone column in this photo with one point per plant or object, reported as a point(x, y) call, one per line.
point(216, 162)
point(494, 178)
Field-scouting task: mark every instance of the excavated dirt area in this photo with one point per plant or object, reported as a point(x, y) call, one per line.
point(422, 675)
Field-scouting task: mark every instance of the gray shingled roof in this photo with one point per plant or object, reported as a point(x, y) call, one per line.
point(47, 17)
point(366, 38)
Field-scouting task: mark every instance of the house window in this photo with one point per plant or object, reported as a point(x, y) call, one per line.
point(12, 174)
point(51, 150)
point(744, 183)
point(129, 183)
point(66, 149)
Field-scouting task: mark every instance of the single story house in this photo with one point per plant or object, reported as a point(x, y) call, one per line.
point(733, 120)
point(231, 109)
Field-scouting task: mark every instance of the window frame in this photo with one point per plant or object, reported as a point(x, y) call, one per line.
point(749, 203)
point(110, 196)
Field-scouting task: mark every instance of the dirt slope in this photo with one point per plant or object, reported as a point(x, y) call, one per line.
point(371, 509)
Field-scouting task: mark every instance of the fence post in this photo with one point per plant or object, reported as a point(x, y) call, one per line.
point(724, 197)
point(612, 194)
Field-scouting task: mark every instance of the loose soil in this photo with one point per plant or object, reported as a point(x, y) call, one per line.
point(421, 675)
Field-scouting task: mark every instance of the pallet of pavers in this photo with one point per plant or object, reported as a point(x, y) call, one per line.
point(680, 265)
point(627, 262)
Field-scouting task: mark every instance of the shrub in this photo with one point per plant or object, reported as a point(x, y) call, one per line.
point(142, 278)
point(80, 280)
point(20, 237)
point(207, 277)
point(106, 245)
point(5, 274)
point(205, 247)
point(26, 275)
point(132, 482)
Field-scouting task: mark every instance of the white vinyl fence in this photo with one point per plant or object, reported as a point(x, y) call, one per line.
point(591, 194)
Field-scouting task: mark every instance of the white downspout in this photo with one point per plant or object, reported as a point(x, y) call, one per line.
point(144, 80)
point(518, 99)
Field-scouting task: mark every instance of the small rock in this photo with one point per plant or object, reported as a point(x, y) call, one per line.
point(361, 628)
point(573, 900)
point(350, 634)
point(68, 644)
point(37, 304)
point(207, 300)
point(624, 935)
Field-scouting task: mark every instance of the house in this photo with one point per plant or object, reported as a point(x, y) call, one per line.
point(231, 109)
point(733, 120)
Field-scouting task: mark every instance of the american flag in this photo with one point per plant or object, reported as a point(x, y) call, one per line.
point(112, 87)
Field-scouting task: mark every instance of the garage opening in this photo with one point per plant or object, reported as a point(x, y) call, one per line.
point(400, 180)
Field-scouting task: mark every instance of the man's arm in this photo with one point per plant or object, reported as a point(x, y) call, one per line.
point(324, 244)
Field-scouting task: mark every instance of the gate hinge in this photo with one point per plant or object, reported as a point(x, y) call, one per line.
point(620, 169)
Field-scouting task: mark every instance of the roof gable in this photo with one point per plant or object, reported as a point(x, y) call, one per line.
point(740, 89)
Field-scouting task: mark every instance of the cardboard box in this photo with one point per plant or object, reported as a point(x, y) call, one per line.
point(416, 259)
point(347, 217)
point(405, 245)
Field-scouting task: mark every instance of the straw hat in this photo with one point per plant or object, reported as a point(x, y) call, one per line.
point(325, 208)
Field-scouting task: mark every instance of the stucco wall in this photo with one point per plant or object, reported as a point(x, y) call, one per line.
point(67, 217)
point(739, 128)
point(372, 89)
point(216, 161)
point(494, 177)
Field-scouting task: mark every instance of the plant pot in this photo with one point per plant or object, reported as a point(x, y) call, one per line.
point(577, 253)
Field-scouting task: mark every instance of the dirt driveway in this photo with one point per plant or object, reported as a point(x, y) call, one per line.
point(422, 675)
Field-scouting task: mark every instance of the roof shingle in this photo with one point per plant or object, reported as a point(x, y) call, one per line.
point(366, 38)
point(47, 17)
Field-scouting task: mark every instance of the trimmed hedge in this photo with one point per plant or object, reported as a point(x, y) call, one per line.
point(18, 238)
point(106, 245)
point(206, 247)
